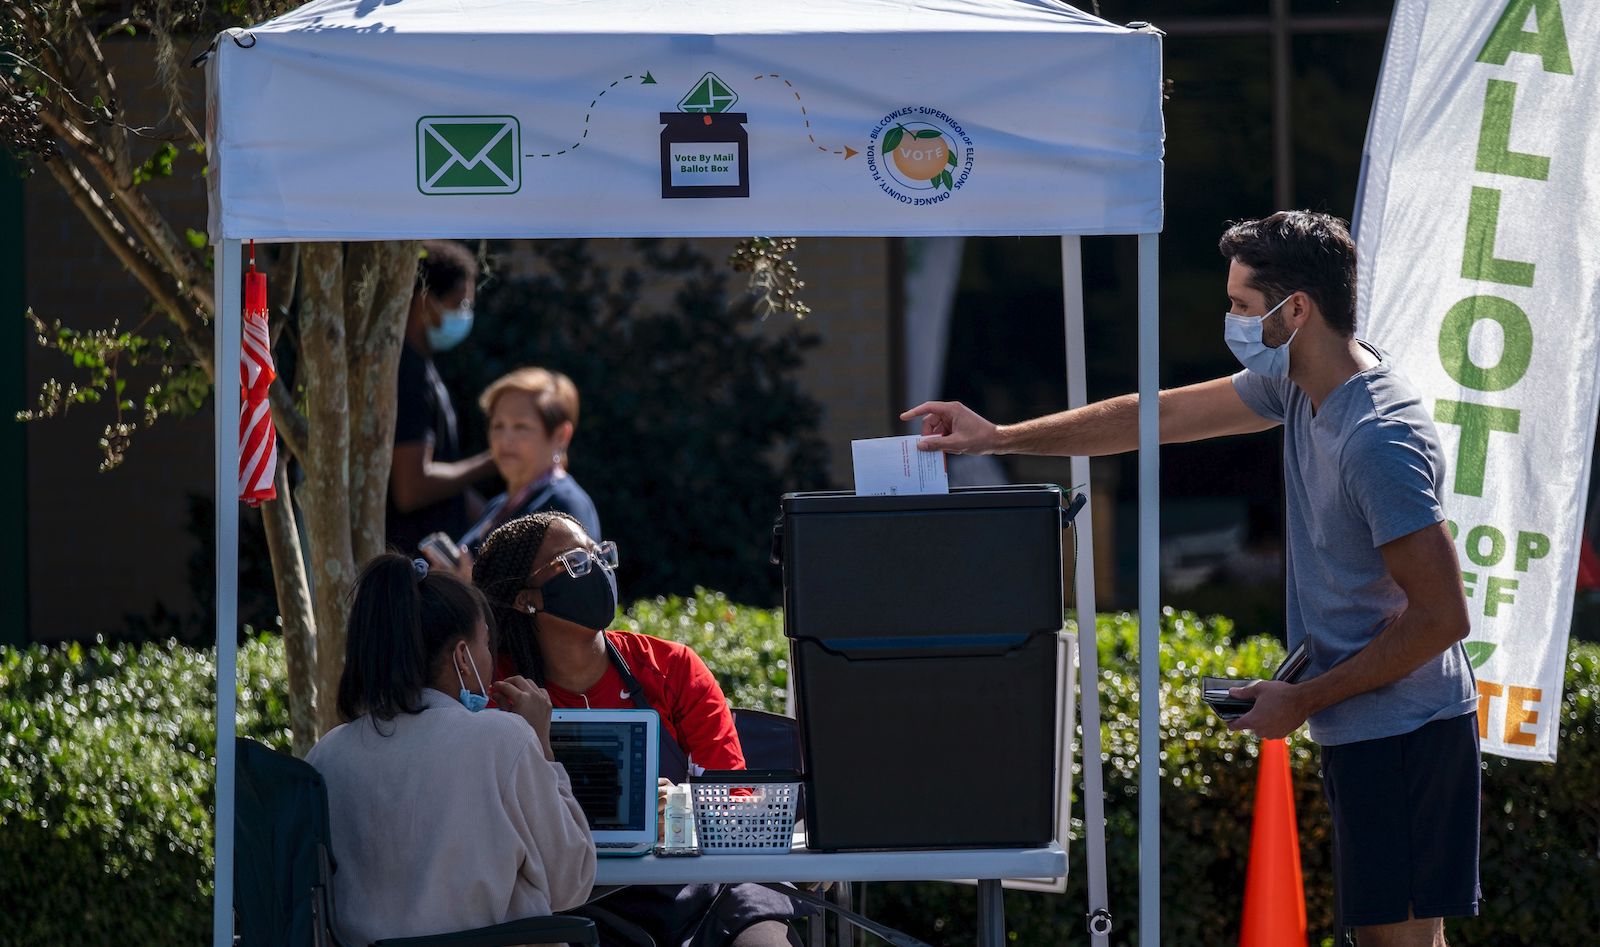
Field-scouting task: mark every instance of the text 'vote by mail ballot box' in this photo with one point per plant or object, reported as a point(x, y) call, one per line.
point(925, 634)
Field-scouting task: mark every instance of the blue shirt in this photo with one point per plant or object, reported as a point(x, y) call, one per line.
point(560, 493)
point(1364, 470)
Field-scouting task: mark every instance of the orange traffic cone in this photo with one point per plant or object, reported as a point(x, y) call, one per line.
point(1274, 897)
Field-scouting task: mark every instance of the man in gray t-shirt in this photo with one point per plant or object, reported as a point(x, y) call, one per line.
point(1362, 471)
point(1374, 587)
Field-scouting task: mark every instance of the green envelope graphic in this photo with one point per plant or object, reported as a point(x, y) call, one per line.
point(469, 154)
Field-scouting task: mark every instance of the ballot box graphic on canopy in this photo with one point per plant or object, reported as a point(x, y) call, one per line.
point(705, 149)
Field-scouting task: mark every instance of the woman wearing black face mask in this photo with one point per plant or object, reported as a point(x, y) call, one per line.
point(553, 592)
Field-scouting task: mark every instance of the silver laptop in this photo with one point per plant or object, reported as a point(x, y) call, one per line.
point(612, 758)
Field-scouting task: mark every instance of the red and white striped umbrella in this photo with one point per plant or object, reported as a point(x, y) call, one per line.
point(258, 440)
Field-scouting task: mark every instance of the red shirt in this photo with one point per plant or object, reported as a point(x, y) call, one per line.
point(678, 685)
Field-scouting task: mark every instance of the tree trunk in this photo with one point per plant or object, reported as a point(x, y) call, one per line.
point(378, 282)
point(294, 604)
point(325, 495)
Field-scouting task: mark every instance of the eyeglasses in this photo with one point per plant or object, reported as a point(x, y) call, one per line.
point(579, 561)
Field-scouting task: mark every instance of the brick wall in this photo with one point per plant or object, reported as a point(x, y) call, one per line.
point(102, 546)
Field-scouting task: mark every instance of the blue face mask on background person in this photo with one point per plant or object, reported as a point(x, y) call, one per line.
point(473, 702)
point(452, 328)
point(1243, 335)
point(589, 601)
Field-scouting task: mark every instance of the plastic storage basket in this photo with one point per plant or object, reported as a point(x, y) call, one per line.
point(745, 811)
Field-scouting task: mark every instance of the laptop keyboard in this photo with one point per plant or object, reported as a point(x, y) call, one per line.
point(600, 845)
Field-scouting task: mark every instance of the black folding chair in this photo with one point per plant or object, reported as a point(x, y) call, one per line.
point(283, 869)
point(769, 741)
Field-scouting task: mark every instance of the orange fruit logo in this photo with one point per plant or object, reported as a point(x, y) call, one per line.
point(921, 153)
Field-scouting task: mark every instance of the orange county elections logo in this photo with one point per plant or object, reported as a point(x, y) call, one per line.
point(919, 155)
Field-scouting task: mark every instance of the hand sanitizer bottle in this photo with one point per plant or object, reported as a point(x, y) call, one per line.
point(680, 822)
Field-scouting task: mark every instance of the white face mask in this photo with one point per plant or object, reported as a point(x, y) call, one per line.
point(1243, 335)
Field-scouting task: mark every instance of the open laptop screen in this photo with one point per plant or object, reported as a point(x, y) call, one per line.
point(605, 761)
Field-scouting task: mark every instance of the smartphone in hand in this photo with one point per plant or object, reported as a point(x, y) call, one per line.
point(442, 546)
point(1214, 691)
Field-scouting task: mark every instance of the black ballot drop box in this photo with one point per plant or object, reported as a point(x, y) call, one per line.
point(924, 634)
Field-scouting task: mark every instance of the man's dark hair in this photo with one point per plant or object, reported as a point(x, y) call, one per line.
point(445, 265)
point(1304, 251)
point(399, 628)
point(503, 568)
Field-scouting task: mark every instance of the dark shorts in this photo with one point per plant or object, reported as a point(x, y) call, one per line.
point(1405, 824)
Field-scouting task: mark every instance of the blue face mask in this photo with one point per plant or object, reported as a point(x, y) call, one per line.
point(473, 702)
point(454, 327)
point(1243, 335)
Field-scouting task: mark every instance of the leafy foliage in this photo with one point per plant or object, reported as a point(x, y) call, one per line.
point(106, 791)
point(60, 113)
point(1539, 870)
point(774, 278)
point(744, 647)
point(180, 386)
point(692, 420)
point(105, 798)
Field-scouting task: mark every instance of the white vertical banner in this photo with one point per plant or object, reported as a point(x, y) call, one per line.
point(1480, 257)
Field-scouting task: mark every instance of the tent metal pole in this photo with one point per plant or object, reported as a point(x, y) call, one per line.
point(1094, 803)
point(1149, 598)
point(226, 330)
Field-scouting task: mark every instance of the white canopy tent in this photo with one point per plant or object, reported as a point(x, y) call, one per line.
point(405, 119)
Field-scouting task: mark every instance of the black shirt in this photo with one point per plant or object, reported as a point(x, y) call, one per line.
point(424, 414)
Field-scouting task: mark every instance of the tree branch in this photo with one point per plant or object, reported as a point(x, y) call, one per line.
point(132, 256)
point(39, 32)
point(387, 273)
point(325, 494)
point(281, 291)
point(100, 72)
point(150, 226)
point(294, 604)
point(110, 160)
point(286, 417)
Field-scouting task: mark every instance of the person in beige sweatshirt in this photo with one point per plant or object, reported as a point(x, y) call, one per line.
point(444, 816)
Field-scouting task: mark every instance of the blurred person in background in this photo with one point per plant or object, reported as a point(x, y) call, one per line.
point(429, 479)
point(532, 414)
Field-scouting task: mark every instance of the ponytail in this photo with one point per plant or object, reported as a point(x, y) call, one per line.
point(402, 620)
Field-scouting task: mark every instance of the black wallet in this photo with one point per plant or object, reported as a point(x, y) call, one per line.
point(1214, 690)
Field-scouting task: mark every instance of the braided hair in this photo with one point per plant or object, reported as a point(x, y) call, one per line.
point(503, 568)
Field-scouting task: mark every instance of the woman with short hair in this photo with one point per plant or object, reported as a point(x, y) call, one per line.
point(533, 413)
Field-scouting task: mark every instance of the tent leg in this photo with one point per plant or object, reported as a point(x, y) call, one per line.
point(1094, 803)
point(1149, 598)
point(225, 406)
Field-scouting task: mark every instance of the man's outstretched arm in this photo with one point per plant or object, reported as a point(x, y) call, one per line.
point(1192, 413)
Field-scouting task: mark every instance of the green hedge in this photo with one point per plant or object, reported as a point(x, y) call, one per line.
point(105, 792)
point(1541, 824)
point(105, 795)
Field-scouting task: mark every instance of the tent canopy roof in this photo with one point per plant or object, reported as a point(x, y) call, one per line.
point(687, 17)
point(393, 119)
